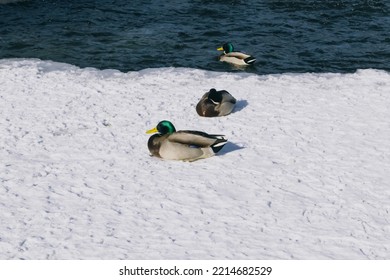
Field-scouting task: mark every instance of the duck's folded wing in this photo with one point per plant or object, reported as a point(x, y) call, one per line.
point(227, 97)
point(196, 138)
point(238, 55)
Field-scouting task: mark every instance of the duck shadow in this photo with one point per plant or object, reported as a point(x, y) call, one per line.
point(230, 147)
point(240, 104)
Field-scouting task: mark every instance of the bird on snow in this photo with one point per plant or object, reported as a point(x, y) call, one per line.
point(215, 103)
point(185, 145)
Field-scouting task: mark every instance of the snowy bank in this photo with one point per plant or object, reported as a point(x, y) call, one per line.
point(305, 174)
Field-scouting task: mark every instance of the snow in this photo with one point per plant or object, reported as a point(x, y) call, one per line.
point(305, 174)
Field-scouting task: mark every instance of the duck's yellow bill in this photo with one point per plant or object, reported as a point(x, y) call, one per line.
point(153, 130)
point(220, 49)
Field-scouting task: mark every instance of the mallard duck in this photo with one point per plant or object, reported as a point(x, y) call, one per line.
point(237, 58)
point(186, 145)
point(215, 103)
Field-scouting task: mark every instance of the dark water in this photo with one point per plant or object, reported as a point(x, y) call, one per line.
point(284, 36)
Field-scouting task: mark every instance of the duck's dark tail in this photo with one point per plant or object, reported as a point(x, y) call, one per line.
point(250, 60)
point(218, 144)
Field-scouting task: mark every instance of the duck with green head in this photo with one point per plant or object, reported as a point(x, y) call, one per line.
point(234, 57)
point(186, 145)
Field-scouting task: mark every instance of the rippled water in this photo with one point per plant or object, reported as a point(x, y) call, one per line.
point(284, 36)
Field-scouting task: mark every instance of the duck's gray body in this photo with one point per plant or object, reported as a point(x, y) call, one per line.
point(237, 58)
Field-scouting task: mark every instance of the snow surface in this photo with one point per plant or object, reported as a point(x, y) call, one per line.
point(305, 174)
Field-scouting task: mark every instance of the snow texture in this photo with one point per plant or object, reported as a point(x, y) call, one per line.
point(305, 174)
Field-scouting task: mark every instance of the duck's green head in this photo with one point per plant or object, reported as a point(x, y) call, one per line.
point(163, 127)
point(227, 48)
